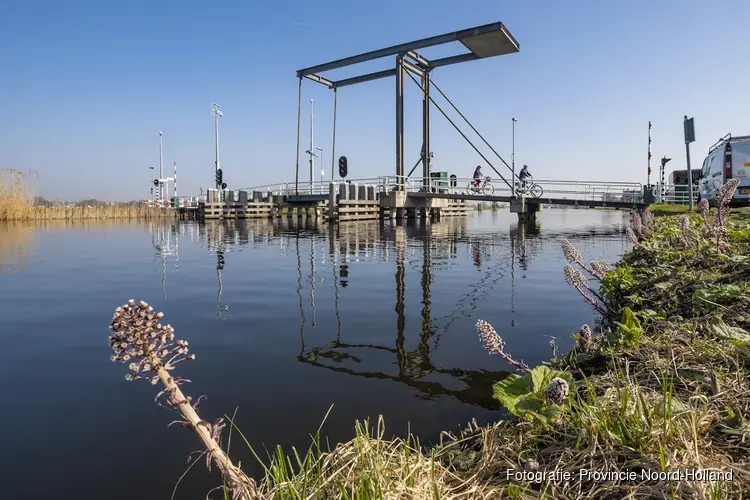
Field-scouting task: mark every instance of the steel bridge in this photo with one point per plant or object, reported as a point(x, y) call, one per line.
point(485, 41)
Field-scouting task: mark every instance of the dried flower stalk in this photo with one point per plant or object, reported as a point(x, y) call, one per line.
point(138, 337)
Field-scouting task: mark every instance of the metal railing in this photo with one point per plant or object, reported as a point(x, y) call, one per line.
point(674, 193)
point(574, 190)
point(600, 191)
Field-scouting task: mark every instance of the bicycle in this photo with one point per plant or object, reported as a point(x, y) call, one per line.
point(485, 187)
point(529, 187)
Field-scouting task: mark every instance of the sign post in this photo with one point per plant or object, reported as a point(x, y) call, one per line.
point(689, 127)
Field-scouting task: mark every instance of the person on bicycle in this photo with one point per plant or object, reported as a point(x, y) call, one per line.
point(477, 175)
point(523, 175)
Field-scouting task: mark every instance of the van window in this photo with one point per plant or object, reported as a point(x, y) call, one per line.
point(716, 161)
point(704, 170)
point(741, 161)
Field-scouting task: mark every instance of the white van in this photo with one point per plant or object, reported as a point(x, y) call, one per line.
point(727, 159)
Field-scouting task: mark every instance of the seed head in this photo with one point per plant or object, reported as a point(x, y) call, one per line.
point(584, 338)
point(631, 235)
point(557, 391)
point(601, 267)
point(531, 465)
point(132, 338)
point(489, 338)
point(726, 192)
point(703, 207)
point(575, 277)
point(571, 253)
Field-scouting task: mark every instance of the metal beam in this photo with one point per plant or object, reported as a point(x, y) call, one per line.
point(317, 78)
point(419, 59)
point(416, 70)
point(365, 78)
point(445, 61)
point(406, 47)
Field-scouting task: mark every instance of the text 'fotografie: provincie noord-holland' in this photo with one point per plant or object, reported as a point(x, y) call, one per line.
point(619, 476)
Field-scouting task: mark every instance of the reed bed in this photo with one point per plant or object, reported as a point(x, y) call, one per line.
point(17, 194)
point(651, 403)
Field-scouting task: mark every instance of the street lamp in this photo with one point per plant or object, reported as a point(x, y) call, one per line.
point(152, 182)
point(513, 157)
point(321, 165)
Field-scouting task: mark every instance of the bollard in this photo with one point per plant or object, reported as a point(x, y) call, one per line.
point(362, 192)
point(371, 193)
point(343, 191)
point(269, 196)
point(352, 191)
point(243, 197)
point(331, 201)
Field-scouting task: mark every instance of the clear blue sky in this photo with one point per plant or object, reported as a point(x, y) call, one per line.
point(87, 86)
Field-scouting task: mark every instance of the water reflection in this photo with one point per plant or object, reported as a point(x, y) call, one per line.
point(416, 246)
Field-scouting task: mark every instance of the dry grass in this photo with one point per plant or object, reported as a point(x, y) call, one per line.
point(16, 204)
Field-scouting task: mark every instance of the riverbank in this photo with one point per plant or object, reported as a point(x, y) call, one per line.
point(657, 402)
point(649, 400)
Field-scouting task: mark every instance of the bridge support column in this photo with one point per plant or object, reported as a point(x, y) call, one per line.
point(525, 209)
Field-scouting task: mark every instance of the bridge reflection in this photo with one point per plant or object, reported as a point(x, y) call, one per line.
point(415, 248)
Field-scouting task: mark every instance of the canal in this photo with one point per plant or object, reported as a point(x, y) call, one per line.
point(286, 319)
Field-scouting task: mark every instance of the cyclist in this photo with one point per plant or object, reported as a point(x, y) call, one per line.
point(523, 175)
point(477, 175)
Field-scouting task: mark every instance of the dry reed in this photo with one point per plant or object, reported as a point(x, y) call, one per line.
point(17, 193)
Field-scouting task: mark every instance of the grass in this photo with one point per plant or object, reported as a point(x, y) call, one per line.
point(672, 398)
point(17, 195)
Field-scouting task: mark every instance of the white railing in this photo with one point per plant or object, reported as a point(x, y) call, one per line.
point(574, 190)
point(675, 193)
point(600, 191)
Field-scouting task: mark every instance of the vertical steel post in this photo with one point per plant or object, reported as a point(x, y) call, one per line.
point(161, 170)
point(513, 160)
point(312, 146)
point(333, 146)
point(400, 122)
point(649, 154)
point(426, 130)
point(299, 111)
point(690, 176)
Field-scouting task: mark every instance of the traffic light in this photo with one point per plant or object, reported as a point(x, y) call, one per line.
point(218, 177)
point(223, 185)
point(156, 182)
point(343, 170)
point(664, 161)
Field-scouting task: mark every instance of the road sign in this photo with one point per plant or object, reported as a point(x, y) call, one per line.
point(689, 130)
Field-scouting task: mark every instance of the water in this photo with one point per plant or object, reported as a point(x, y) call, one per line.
point(372, 319)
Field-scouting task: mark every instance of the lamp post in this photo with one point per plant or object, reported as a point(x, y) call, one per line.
point(152, 183)
point(513, 157)
point(216, 111)
point(321, 165)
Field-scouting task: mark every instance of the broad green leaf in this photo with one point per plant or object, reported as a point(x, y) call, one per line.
point(735, 335)
point(510, 389)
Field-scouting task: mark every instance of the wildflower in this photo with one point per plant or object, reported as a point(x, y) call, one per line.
point(493, 344)
point(531, 465)
point(557, 391)
point(703, 207)
point(631, 236)
point(574, 277)
point(583, 340)
point(489, 338)
point(571, 253)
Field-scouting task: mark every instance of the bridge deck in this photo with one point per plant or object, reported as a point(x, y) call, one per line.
point(542, 200)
